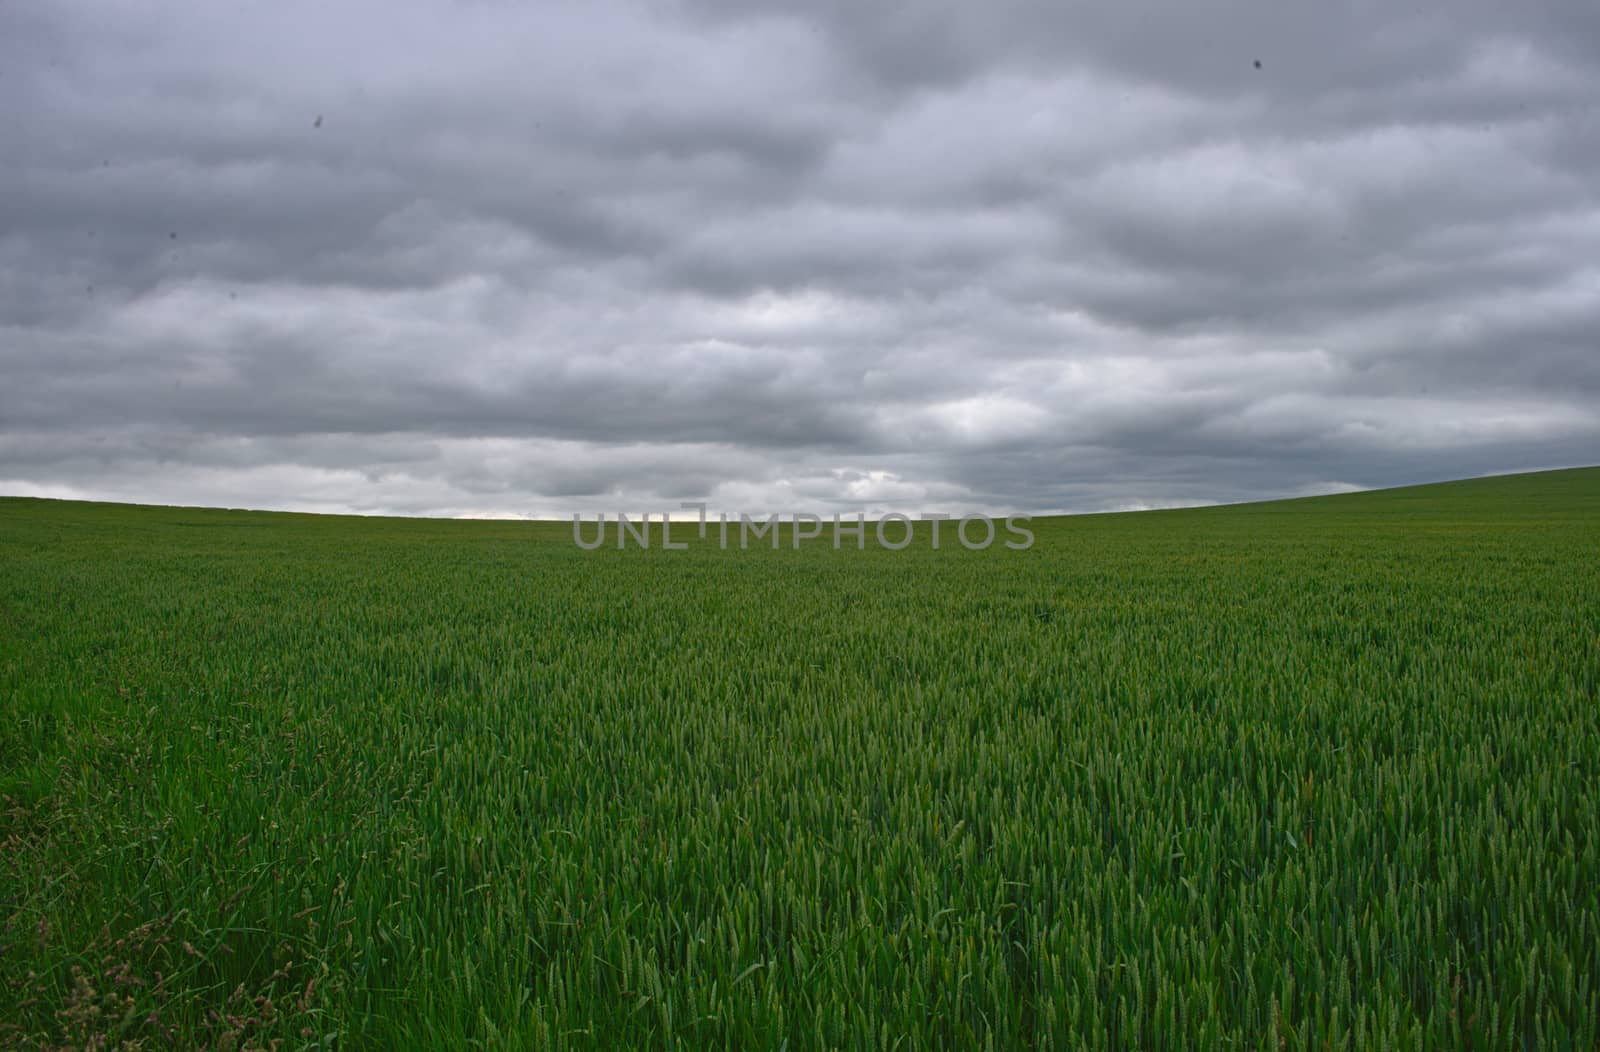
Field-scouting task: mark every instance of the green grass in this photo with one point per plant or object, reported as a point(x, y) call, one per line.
point(1306, 774)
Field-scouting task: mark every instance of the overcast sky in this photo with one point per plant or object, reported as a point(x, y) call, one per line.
point(546, 258)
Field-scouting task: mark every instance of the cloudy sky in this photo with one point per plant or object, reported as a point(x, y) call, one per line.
point(546, 258)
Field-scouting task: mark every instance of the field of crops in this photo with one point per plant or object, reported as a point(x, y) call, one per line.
point(1311, 774)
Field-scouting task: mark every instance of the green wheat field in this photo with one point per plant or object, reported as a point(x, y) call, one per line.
point(1309, 774)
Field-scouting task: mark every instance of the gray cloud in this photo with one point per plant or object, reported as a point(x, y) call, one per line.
point(489, 258)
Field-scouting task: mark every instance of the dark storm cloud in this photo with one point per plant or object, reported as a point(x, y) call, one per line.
point(494, 258)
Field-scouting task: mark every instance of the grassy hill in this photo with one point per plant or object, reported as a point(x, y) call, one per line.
point(1310, 773)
